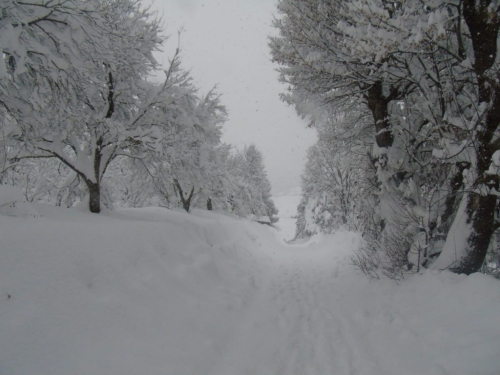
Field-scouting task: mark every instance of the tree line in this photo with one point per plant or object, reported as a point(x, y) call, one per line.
point(81, 118)
point(406, 98)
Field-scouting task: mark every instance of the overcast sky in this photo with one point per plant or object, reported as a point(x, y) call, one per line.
point(224, 43)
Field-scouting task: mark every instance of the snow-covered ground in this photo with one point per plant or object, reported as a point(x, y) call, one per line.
point(286, 202)
point(152, 291)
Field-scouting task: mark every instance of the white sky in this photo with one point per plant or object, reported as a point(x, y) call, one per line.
point(224, 43)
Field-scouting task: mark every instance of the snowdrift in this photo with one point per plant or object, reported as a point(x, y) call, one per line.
point(152, 291)
point(144, 291)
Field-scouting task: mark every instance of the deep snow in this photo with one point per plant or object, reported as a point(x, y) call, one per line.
point(152, 291)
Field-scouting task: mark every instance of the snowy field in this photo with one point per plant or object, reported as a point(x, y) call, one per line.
point(151, 291)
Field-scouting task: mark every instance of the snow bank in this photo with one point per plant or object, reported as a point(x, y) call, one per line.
point(143, 291)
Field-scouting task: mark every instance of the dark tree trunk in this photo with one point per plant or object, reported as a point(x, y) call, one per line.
point(186, 202)
point(480, 214)
point(95, 187)
point(209, 204)
point(379, 107)
point(450, 205)
point(483, 24)
point(94, 197)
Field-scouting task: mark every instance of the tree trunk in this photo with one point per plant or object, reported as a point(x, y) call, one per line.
point(378, 105)
point(95, 187)
point(186, 203)
point(484, 25)
point(455, 188)
point(470, 236)
point(94, 197)
point(209, 204)
point(480, 214)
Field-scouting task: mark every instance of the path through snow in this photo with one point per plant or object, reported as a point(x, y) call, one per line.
point(313, 314)
point(290, 326)
point(158, 292)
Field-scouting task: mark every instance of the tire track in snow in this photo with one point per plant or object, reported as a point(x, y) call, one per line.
point(316, 331)
point(291, 326)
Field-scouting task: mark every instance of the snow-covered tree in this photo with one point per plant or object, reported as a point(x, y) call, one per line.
point(450, 50)
point(113, 110)
point(257, 183)
point(336, 182)
point(129, 184)
point(428, 74)
point(39, 180)
point(44, 46)
point(260, 187)
point(327, 63)
point(182, 172)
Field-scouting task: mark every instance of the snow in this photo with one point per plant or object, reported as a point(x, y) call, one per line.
point(9, 194)
point(13, 203)
point(153, 291)
point(287, 202)
point(496, 158)
point(460, 231)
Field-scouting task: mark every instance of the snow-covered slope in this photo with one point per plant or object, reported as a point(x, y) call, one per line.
point(152, 291)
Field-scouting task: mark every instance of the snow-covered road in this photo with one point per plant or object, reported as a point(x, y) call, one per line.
point(314, 314)
point(159, 292)
point(290, 326)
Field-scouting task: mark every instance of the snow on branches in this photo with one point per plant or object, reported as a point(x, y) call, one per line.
point(427, 74)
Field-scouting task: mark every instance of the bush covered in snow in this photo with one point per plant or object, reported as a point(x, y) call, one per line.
point(13, 203)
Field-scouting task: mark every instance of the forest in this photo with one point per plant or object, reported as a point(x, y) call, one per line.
point(405, 96)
